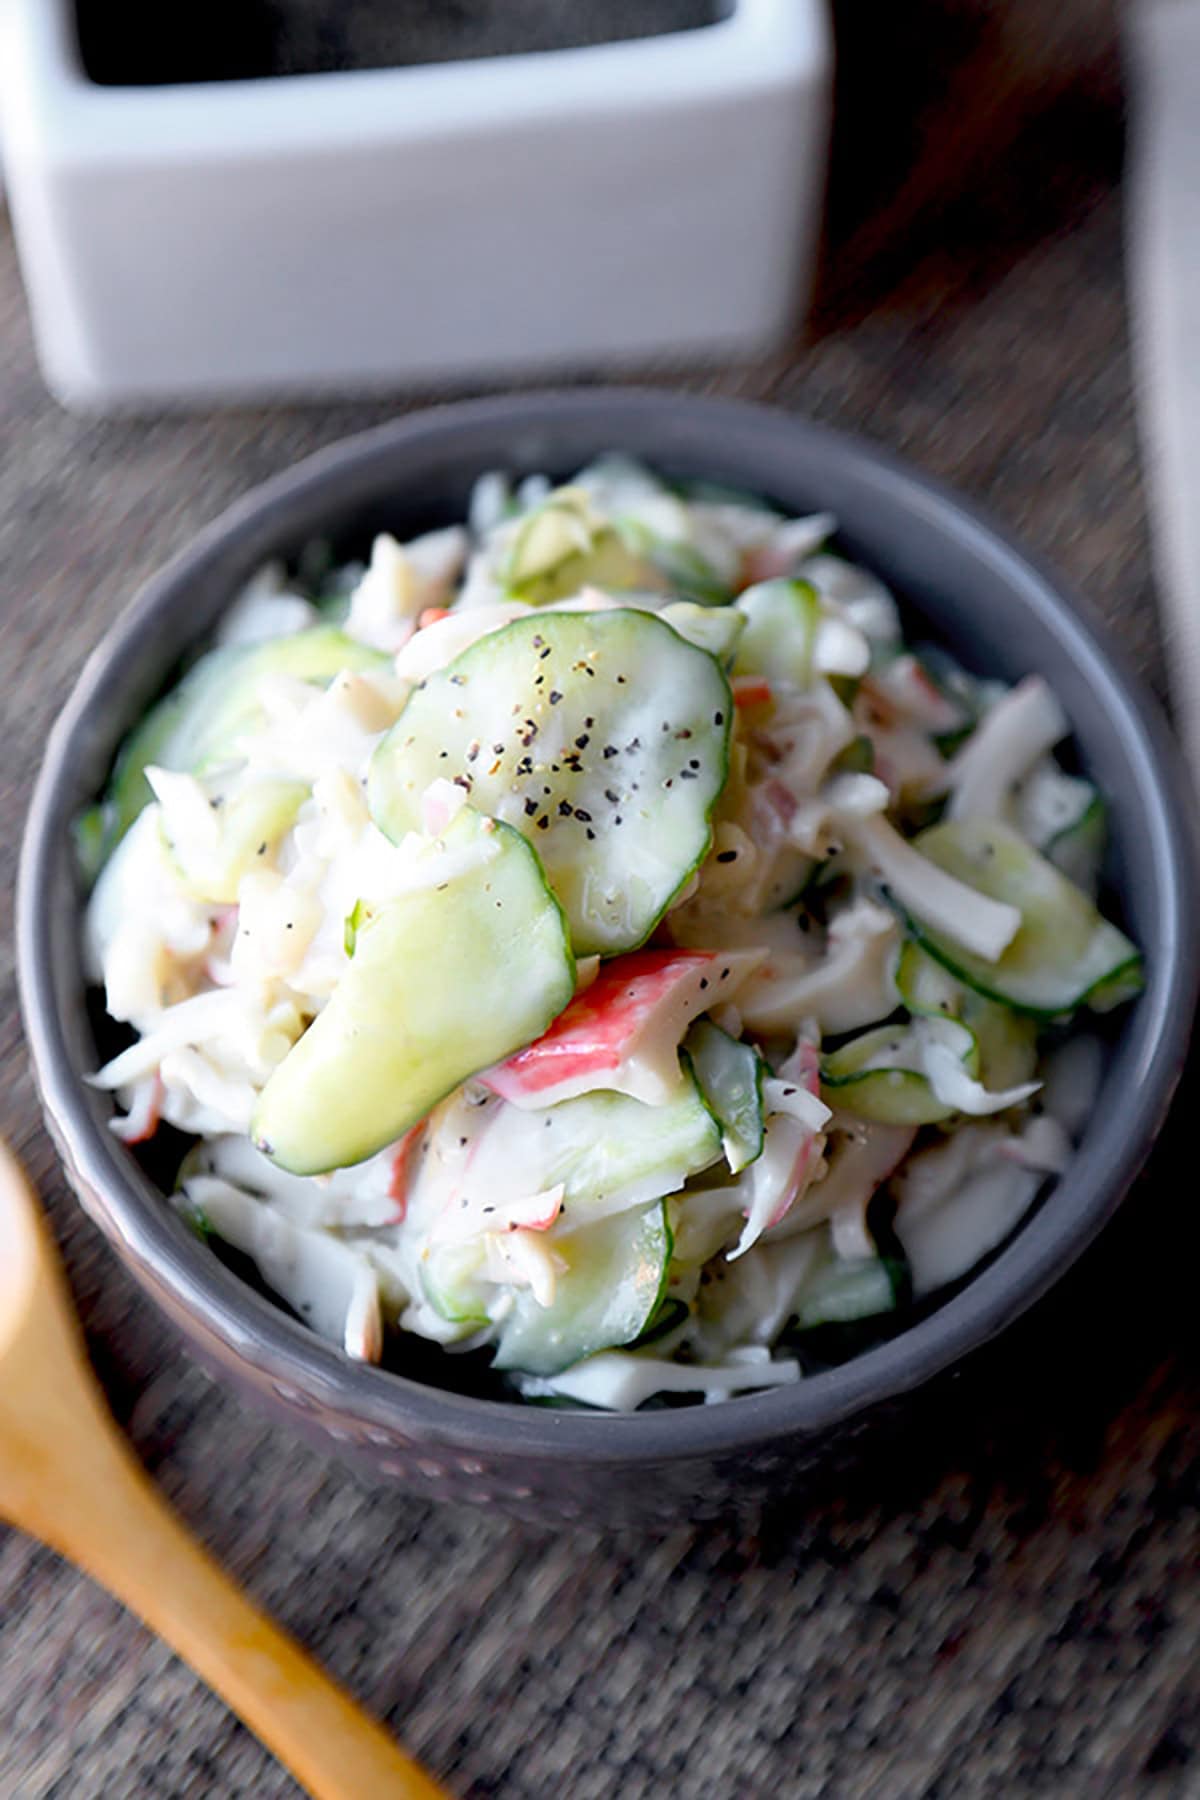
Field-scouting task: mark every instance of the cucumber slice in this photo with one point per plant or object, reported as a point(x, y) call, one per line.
point(730, 1077)
point(1006, 1040)
point(982, 926)
point(1077, 851)
point(613, 1279)
point(881, 1074)
point(445, 979)
point(1050, 802)
point(668, 1316)
point(712, 628)
point(563, 526)
point(212, 852)
point(859, 596)
point(195, 726)
point(451, 1280)
point(781, 631)
point(616, 498)
point(675, 565)
point(602, 737)
point(562, 546)
point(1064, 955)
point(608, 1152)
point(841, 1292)
point(927, 987)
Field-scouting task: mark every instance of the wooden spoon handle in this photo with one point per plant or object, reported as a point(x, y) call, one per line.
point(68, 1476)
point(132, 1542)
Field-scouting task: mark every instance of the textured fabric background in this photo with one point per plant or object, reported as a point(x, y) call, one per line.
point(1010, 1605)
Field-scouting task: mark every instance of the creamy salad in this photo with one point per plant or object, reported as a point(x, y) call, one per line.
point(593, 937)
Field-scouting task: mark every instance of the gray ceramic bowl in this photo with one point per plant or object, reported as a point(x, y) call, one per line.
point(968, 586)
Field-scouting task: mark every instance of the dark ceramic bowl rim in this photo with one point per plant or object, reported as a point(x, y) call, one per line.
point(187, 1280)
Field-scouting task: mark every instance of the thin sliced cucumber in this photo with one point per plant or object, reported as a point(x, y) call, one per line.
point(1064, 955)
point(841, 1292)
point(665, 1320)
point(196, 725)
point(608, 1290)
point(1050, 802)
point(608, 1152)
point(246, 824)
point(730, 1077)
point(678, 566)
point(601, 737)
point(859, 596)
point(881, 1075)
point(653, 525)
point(451, 1280)
point(982, 926)
point(927, 987)
point(563, 546)
point(445, 980)
point(781, 631)
point(712, 628)
point(563, 526)
point(1006, 1040)
point(1077, 851)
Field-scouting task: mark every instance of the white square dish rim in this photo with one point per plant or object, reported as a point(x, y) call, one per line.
point(755, 45)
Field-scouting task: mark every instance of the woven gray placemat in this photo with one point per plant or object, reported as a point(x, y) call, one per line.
point(1010, 1609)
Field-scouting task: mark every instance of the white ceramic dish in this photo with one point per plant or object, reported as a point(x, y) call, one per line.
point(337, 231)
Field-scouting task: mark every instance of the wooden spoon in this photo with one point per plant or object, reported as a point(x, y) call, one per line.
point(68, 1477)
